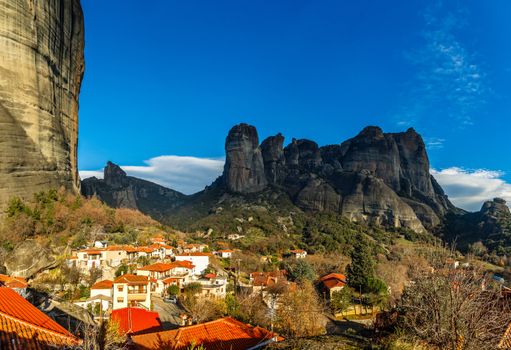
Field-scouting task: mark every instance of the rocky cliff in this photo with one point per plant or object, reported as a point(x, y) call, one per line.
point(375, 177)
point(490, 226)
point(41, 69)
point(121, 191)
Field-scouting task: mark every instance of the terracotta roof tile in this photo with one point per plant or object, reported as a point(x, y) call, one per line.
point(222, 334)
point(194, 254)
point(338, 276)
point(13, 282)
point(105, 284)
point(134, 320)
point(158, 267)
point(23, 326)
point(129, 278)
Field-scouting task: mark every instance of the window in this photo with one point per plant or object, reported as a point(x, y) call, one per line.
point(120, 288)
point(120, 300)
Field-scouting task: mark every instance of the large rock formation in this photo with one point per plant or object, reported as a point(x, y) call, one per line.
point(490, 226)
point(29, 258)
point(244, 167)
point(375, 177)
point(41, 69)
point(121, 191)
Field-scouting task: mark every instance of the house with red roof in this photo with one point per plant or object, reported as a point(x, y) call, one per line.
point(222, 334)
point(198, 259)
point(23, 326)
point(132, 321)
point(131, 291)
point(159, 274)
point(101, 294)
point(333, 282)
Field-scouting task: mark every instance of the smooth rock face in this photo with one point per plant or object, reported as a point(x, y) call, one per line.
point(375, 177)
point(244, 167)
point(118, 190)
point(41, 69)
point(28, 258)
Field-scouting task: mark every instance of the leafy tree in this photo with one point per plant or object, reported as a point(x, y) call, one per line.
point(341, 300)
point(173, 290)
point(361, 269)
point(95, 274)
point(193, 288)
point(121, 270)
point(299, 270)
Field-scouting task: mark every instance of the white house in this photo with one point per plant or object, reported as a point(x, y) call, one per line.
point(213, 286)
point(131, 291)
point(199, 260)
point(299, 253)
point(225, 254)
point(162, 275)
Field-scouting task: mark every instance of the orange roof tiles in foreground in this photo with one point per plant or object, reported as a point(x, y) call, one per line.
point(222, 334)
point(134, 320)
point(23, 326)
point(105, 284)
point(131, 279)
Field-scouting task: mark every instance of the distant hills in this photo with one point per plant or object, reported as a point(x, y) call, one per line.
point(375, 178)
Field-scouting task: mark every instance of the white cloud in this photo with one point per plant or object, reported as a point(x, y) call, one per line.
point(184, 174)
point(434, 143)
point(469, 189)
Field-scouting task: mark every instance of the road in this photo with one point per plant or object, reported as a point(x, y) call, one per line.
point(169, 312)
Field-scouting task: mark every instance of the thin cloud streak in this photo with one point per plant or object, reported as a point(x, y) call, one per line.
point(449, 84)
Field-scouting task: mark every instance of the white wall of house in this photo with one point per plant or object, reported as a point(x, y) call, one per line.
point(201, 262)
point(125, 295)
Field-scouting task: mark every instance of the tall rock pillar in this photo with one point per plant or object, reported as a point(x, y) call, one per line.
point(41, 70)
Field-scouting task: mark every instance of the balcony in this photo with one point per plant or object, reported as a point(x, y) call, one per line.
point(137, 297)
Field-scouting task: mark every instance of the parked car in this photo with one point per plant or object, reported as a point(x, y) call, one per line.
point(172, 299)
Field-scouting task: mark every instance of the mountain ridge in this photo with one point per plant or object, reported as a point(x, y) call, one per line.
point(374, 178)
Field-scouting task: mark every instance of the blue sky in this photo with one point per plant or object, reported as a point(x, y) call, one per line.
point(164, 83)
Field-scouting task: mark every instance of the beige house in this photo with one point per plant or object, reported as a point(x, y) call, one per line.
point(131, 291)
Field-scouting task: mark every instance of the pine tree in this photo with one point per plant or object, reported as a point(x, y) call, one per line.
point(361, 270)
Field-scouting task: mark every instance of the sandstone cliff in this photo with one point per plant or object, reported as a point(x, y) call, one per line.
point(118, 190)
point(41, 69)
point(375, 177)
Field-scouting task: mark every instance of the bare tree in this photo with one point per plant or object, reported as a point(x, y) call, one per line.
point(453, 308)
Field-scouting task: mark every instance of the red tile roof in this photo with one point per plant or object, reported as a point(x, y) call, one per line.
point(13, 282)
point(105, 284)
point(266, 279)
point(210, 276)
point(333, 280)
point(298, 251)
point(23, 326)
point(338, 276)
point(222, 334)
point(133, 320)
point(194, 254)
point(131, 279)
point(183, 263)
point(157, 267)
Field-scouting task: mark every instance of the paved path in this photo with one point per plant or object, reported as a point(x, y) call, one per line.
point(169, 312)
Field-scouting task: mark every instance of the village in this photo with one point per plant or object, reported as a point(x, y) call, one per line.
point(162, 291)
point(145, 290)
